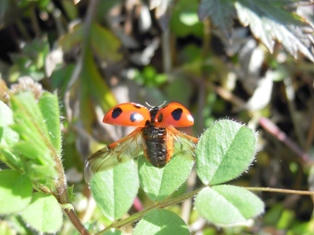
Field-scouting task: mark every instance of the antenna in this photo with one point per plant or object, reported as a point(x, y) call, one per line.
point(159, 106)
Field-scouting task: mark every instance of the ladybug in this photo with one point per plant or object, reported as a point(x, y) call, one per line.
point(155, 133)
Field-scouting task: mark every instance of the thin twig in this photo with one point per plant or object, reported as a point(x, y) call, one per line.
point(76, 222)
point(273, 129)
point(280, 190)
point(227, 95)
point(290, 95)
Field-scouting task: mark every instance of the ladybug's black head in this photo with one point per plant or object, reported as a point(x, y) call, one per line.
point(153, 111)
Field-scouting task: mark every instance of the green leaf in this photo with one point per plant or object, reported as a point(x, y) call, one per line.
point(159, 183)
point(44, 213)
point(286, 219)
point(224, 151)
point(221, 13)
point(25, 149)
point(8, 137)
point(161, 222)
point(227, 205)
point(104, 43)
point(60, 78)
point(70, 9)
point(87, 111)
point(6, 117)
point(269, 21)
point(28, 118)
point(184, 21)
point(15, 191)
point(49, 107)
point(93, 90)
point(72, 39)
point(114, 189)
point(39, 133)
point(39, 168)
point(6, 228)
point(10, 159)
point(98, 89)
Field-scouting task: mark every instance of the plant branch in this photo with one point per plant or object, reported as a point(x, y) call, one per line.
point(76, 221)
point(274, 130)
point(281, 190)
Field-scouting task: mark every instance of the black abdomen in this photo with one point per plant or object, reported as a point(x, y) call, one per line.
point(156, 149)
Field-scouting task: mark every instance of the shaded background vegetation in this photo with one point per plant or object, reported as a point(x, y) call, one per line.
point(96, 54)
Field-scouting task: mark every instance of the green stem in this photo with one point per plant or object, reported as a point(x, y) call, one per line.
point(280, 190)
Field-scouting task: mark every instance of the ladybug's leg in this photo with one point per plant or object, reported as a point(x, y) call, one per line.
point(179, 133)
point(129, 136)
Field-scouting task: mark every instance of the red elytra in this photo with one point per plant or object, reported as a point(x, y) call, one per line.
point(132, 114)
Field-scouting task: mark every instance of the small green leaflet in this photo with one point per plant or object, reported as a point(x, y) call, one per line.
point(227, 205)
point(44, 213)
point(115, 189)
point(225, 151)
point(15, 191)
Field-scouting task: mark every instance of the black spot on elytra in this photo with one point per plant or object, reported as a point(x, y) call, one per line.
point(160, 117)
point(176, 114)
point(134, 117)
point(137, 106)
point(116, 112)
